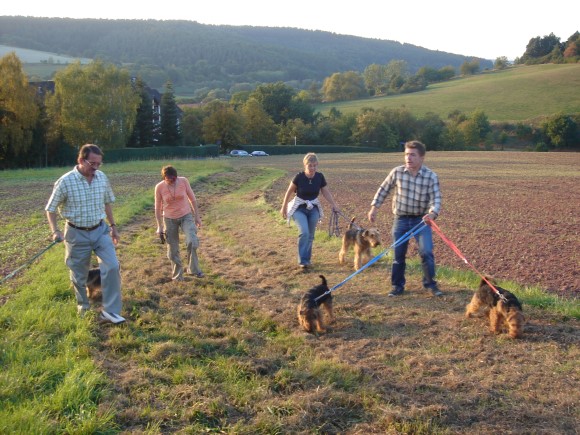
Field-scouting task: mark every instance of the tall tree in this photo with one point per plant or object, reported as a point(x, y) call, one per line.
point(170, 118)
point(94, 104)
point(276, 100)
point(142, 134)
point(18, 110)
point(344, 86)
point(222, 126)
point(372, 129)
point(259, 128)
point(191, 126)
point(375, 78)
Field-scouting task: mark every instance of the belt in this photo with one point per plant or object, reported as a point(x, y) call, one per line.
point(411, 215)
point(84, 228)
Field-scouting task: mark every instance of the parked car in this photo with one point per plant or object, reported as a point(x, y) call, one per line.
point(239, 153)
point(258, 153)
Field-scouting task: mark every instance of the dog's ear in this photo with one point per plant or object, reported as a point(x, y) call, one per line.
point(366, 233)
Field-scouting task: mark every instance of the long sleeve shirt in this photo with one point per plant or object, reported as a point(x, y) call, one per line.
point(412, 195)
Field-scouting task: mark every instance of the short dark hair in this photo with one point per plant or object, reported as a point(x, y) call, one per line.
point(415, 144)
point(168, 171)
point(88, 149)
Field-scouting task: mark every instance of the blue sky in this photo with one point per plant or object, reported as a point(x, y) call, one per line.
point(484, 29)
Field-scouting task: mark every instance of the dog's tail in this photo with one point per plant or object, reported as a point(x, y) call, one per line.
point(351, 224)
point(323, 280)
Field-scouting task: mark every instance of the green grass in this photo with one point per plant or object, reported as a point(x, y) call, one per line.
point(515, 94)
point(34, 56)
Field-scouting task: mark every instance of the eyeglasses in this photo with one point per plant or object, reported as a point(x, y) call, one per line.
point(94, 164)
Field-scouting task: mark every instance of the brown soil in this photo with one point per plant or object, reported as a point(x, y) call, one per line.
point(425, 363)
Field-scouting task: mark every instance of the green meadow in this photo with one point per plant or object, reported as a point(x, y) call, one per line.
point(517, 94)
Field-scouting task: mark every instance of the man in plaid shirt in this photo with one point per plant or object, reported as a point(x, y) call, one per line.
point(84, 199)
point(416, 195)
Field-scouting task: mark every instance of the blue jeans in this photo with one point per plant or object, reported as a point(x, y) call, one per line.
point(306, 221)
point(401, 225)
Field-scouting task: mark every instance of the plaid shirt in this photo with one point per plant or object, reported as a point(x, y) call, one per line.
point(416, 196)
point(79, 202)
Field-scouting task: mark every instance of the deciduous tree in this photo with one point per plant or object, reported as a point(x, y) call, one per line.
point(344, 86)
point(94, 104)
point(222, 126)
point(18, 110)
point(259, 128)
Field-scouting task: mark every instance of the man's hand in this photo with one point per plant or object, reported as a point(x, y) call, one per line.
point(428, 218)
point(372, 215)
point(57, 236)
point(115, 235)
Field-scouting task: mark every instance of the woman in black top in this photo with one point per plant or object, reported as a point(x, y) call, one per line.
point(305, 208)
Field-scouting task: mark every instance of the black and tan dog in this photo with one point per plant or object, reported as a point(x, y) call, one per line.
point(362, 240)
point(94, 285)
point(506, 311)
point(310, 316)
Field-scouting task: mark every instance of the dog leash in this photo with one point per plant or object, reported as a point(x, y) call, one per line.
point(7, 277)
point(404, 238)
point(455, 249)
point(333, 228)
point(350, 221)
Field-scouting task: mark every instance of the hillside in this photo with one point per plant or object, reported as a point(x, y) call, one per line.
point(39, 57)
point(515, 94)
point(195, 56)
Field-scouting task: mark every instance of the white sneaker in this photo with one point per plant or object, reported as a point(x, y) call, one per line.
point(106, 317)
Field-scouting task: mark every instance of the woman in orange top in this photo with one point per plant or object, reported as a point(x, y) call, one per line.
point(176, 207)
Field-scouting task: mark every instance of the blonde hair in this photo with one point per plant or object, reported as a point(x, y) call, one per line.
point(310, 158)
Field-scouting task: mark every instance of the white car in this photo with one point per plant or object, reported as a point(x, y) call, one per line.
point(239, 153)
point(258, 153)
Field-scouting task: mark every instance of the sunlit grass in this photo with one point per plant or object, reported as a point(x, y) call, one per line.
point(515, 94)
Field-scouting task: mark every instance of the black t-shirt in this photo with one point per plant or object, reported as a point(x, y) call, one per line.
point(309, 188)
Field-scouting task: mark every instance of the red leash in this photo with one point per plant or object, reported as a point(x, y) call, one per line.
point(455, 249)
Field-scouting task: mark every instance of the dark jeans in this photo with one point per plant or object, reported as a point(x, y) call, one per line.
point(401, 225)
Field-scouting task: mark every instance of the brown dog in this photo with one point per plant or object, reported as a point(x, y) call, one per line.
point(94, 285)
point(310, 316)
point(362, 240)
point(506, 311)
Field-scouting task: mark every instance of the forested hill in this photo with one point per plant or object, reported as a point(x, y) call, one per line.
point(209, 55)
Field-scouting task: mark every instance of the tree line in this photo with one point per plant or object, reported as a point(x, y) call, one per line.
point(101, 103)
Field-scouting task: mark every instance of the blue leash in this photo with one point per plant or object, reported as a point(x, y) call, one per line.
point(404, 238)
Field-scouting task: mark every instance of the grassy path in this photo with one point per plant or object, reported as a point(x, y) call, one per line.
point(224, 353)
